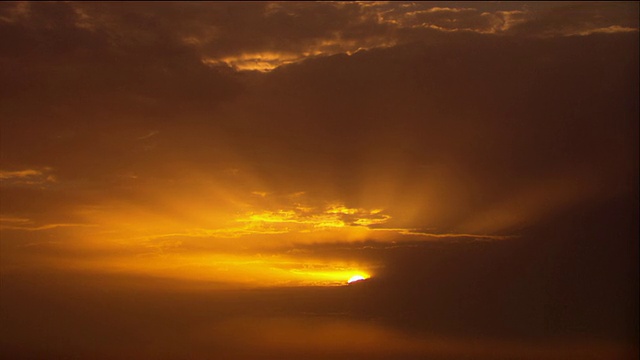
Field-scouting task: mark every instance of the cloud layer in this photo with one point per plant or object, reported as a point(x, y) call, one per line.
point(180, 176)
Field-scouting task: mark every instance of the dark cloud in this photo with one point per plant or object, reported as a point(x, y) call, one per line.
point(480, 160)
point(341, 127)
point(70, 87)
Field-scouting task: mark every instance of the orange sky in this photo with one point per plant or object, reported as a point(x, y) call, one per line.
point(476, 162)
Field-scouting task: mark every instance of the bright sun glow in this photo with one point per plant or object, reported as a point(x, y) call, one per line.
point(356, 278)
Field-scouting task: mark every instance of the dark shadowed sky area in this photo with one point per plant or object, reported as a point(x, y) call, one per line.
point(186, 180)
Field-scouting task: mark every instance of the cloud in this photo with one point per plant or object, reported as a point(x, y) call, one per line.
point(580, 19)
point(149, 135)
point(15, 12)
point(19, 174)
point(27, 177)
point(442, 136)
point(461, 19)
point(478, 160)
point(332, 215)
point(266, 323)
point(13, 220)
point(259, 36)
point(31, 227)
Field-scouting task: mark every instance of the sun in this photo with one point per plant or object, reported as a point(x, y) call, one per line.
point(355, 278)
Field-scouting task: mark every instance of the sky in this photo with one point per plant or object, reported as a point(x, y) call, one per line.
point(185, 180)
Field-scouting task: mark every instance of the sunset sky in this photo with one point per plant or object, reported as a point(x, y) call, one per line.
point(199, 180)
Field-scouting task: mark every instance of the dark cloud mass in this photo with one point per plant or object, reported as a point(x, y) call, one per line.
point(200, 180)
